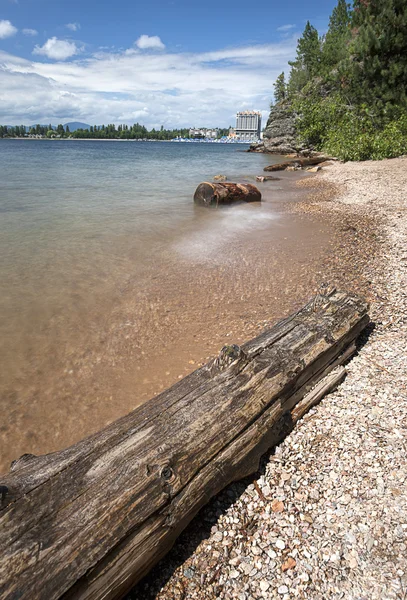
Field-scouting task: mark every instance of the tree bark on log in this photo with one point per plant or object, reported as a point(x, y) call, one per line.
point(90, 521)
point(213, 194)
point(298, 162)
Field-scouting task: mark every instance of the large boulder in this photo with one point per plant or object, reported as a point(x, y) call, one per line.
point(280, 135)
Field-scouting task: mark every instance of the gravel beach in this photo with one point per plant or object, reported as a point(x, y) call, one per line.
point(326, 515)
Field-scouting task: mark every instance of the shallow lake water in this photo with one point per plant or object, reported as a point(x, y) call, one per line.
point(113, 284)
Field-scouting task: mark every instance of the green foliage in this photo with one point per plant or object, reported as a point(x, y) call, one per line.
point(280, 88)
point(349, 133)
point(307, 61)
point(223, 132)
point(335, 43)
point(354, 139)
point(350, 88)
point(317, 115)
point(378, 63)
point(129, 132)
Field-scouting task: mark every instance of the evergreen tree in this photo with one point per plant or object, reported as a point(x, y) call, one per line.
point(335, 44)
point(280, 88)
point(308, 59)
point(379, 55)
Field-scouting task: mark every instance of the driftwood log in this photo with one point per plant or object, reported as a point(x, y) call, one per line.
point(88, 522)
point(213, 194)
point(262, 178)
point(298, 163)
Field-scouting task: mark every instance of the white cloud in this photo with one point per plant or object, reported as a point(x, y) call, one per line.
point(73, 26)
point(146, 42)
point(7, 29)
point(30, 32)
point(57, 49)
point(286, 27)
point(170, 89)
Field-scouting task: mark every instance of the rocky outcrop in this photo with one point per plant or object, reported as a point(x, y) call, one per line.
point(280, 135)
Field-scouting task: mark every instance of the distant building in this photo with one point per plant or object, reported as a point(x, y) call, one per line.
point(203, 132)
point(248, 125)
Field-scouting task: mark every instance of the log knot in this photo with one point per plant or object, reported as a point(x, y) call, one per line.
point(167, 473)
point(227, 356)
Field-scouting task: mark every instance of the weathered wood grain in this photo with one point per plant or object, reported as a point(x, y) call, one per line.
point(91, 520)
point(213, 194)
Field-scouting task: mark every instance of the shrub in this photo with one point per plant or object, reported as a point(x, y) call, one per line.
point(349, 133)
point(353, 139)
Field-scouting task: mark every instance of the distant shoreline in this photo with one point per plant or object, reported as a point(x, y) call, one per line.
point(44, 139)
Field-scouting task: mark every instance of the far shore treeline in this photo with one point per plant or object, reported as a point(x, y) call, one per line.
point(348, 88)
point(109, 132)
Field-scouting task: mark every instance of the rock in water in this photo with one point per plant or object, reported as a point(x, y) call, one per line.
point(213, 194)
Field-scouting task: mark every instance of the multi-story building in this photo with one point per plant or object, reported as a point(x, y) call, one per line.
point(203, 132)
point(248, 125)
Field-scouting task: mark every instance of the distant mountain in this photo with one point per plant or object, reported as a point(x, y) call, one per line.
point(74, 125)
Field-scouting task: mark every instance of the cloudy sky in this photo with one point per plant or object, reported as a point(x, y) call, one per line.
point(159, 62)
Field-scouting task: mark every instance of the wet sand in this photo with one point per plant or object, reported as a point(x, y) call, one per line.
point(179, 308)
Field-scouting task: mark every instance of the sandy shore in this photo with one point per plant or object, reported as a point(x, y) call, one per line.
point(326, 516)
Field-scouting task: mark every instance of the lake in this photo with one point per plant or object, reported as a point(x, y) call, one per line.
point(114, 285)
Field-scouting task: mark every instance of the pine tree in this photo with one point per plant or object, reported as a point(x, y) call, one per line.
point(280, 88)
point(379, 55)
point(307, 63)
point(335, 44)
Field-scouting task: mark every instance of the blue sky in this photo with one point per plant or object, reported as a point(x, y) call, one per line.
point(170, 62)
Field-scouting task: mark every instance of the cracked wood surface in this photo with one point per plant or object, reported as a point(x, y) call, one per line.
point(91, 520)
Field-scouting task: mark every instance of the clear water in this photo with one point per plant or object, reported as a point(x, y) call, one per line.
point(86, 227)
point(77, 216)
point(73, 203)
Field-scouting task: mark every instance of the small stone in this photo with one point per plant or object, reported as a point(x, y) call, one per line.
point(280, 544)
point(283, 589)
point(277, 506)
point(266, 490)
point(246, 568)
point(189, 572)
point(290, 563)
point(264, 585)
